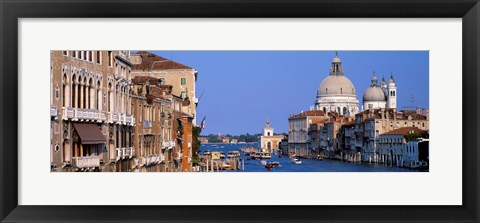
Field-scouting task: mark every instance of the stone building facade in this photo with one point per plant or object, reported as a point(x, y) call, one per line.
point(298, 126)
point(180, 76)
point(397, 149)
point(91, 120)
point(369, 124)
point(102, 119)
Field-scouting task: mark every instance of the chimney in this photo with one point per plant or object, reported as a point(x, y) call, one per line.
point(418, 110)
point(428, 114)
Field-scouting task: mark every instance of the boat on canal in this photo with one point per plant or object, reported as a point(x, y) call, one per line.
point(296, 161)
point(233, 154)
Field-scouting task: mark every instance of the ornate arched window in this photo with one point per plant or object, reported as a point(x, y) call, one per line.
point(64, 91)
point(98, 96)
point(75, 94)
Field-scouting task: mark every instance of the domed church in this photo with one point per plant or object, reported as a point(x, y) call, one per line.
point(336, 92)
point(384, 96)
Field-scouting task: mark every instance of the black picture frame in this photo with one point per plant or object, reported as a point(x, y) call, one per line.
point(11, 11)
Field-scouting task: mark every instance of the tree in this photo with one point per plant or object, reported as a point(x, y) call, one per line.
point(196, 144)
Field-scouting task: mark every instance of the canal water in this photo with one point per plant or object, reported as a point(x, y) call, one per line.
point(308, 165)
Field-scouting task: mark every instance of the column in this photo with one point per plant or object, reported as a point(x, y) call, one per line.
point(99, 100)
point(81, 96)
point(87, 96)
point(76, 96)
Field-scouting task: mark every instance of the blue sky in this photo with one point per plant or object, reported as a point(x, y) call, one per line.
point(244, 88)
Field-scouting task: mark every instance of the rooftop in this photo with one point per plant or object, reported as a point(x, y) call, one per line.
point(151, 61)
point(308, 113)
point(404, 131)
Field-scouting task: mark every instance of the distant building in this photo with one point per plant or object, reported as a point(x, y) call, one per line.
point(268, 141)
point(298, 126)
point(393, 147)
point(226, 140)
point(416, 153)
point(374, 122)
point(284, 145)
point(234, 141)
point(203, 140)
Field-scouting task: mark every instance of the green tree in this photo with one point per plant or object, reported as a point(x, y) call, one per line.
point(196, 144)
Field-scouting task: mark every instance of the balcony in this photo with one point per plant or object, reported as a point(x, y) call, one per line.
point(86, 161)
point(68, 113)
point(112, 117)
point(53, 111)
point(147, 124)
point(128, 152)
point(152, 160)
point(83, 114)
point(142, 161)
point(103, 117)
point(168, 144)
point(121, 118)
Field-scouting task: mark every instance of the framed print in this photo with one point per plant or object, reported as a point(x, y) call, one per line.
point(222, 111)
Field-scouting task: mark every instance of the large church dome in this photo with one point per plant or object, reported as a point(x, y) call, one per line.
point(336, 92)
point(336, 85)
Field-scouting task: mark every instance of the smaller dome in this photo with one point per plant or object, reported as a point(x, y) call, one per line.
point(374, 93)
point(336, 59)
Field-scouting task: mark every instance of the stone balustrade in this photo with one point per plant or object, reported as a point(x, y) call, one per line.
point(53, 111)
point(86, 161)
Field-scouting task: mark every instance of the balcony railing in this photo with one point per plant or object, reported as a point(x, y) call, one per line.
point(86, 161)
point(142, 161)
point(112, 117)
point(68, 113)
point(152, 159)
point(53, 111)
point(121, 118)
point(147, 124)
point(169, 144)
point(103, 116)
point(119, 153)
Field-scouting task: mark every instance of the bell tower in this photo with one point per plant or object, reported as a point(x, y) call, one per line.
point(392, 93)
point(267, 131)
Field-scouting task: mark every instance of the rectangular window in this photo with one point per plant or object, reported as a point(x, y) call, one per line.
point(65, 53)
point(74, 54)
point(110, 58)
point(183, 81)
point(90, 56)
point(184, 94)
point(98, 57)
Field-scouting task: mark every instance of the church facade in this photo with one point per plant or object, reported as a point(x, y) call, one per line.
point(380, 96)
point(268, 141)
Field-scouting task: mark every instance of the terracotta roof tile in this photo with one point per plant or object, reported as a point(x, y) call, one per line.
point(404, 131)
point(308, 113)
point(151, 61)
